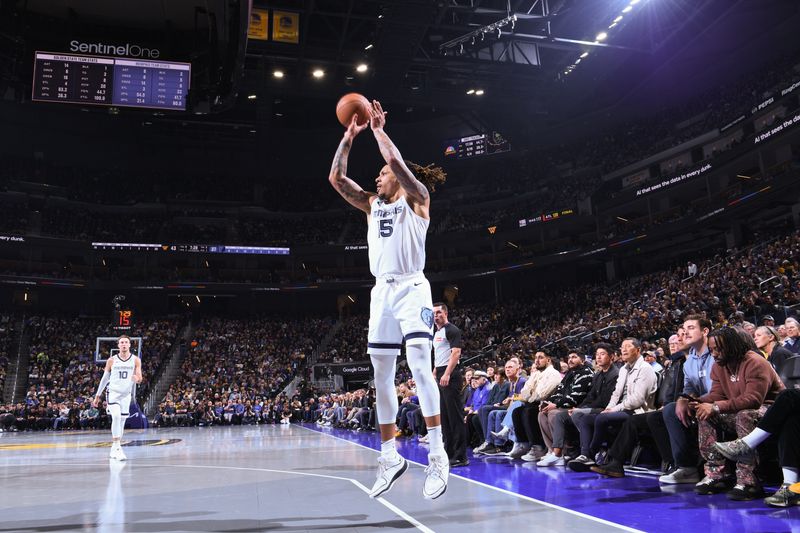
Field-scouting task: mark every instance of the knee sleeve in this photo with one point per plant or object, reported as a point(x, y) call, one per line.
point(385, 394)
point(419, 361)
point(117, 421)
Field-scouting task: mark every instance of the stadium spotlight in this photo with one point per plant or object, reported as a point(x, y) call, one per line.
point(627, 9)
point(318, 73)
point(618, 18)
point(277, 73)
point(368, 47)
point(471, 91)
point(362, 67)
point(601, 36)
point(479, 92)
point(251, 96)
point(585, 54)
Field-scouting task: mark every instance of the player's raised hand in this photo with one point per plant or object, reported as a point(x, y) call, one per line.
point(377, 119)
point(354, 129)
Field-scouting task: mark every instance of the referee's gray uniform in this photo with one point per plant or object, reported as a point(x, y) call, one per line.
point(454, 431)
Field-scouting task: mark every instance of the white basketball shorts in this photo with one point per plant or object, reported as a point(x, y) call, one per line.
point(400, 310)
point(123, 399)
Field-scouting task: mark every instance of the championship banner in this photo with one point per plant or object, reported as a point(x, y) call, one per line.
point(259, 25)
point(285, 27)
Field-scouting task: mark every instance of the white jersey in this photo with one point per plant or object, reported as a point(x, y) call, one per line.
point(121, 381)
point(396, 238)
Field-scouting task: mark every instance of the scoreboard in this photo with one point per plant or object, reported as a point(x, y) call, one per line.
point(476, 145)
point(112, 81)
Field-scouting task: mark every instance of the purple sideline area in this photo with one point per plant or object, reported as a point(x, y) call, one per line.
point(636, 502)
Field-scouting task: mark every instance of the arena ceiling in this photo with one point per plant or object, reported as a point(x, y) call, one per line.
point(535, 61)
point(428, 54)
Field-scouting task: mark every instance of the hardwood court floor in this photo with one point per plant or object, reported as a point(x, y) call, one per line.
point(296, 478)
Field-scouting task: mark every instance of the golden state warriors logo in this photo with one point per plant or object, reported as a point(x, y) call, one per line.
point(427, 316)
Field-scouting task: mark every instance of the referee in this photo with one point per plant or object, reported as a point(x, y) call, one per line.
point(447, 351)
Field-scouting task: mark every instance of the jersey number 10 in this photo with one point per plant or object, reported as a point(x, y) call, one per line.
point(123, 374)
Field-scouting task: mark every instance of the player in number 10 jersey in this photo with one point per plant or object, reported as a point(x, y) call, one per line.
point(121, 372)
point(401, 307)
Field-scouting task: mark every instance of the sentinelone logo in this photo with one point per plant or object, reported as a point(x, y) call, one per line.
point(127, 49)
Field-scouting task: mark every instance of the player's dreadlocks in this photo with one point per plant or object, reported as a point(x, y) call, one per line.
point(428, 175)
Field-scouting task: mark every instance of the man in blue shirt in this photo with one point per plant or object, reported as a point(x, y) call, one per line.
point(680, 421)
point(480, 392)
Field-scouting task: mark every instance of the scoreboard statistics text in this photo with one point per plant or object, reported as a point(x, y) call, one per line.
point(476, 145)
point(111, 81)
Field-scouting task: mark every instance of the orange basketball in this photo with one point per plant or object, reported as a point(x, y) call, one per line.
point(350, 104)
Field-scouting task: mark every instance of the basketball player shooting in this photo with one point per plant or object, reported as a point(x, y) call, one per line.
point(122, 370)
point(401, 307)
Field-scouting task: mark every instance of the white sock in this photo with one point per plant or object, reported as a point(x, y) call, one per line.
point(388, 449)
point(435, 439)
point(755, 437)
point(790, 475)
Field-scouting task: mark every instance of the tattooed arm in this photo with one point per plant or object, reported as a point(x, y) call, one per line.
point(415, 190)
point(347, 188)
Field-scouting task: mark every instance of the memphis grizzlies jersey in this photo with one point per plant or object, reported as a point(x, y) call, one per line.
point(396, 238)
point(121, 380)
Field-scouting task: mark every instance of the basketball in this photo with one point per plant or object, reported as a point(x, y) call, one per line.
point(350, 104)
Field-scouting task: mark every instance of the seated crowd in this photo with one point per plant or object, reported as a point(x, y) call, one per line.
point(7, 330)
point(235, 372)
point(596, 412)
point(348, 343)
point(573, 413)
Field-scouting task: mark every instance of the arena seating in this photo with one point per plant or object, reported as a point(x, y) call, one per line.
point(7, 331)
point(234, 366)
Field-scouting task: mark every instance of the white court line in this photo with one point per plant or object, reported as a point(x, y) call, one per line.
point(402, 514)
point(504, 491)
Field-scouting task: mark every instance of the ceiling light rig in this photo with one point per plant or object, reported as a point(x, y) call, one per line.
point(480, 33)
point(603, 35)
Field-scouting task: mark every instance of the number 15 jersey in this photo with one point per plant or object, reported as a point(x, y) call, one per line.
point(396, 238)
point(121, 381)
